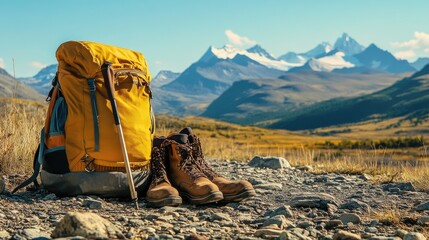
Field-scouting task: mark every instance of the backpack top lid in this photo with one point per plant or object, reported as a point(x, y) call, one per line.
point(84, 59)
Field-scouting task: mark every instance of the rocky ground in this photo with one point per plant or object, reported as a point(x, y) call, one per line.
point(291, 204)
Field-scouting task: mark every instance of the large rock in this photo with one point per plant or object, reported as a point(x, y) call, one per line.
point(269, 162)
point(315, 200)
point(88, 225)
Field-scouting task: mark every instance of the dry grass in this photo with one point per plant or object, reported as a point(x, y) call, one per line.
point(21, 122)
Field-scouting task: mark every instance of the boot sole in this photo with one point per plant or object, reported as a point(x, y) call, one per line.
point(172, 201)
point(243, 194)
point(215, 196)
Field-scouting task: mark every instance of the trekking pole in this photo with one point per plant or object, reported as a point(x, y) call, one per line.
point(107, 72)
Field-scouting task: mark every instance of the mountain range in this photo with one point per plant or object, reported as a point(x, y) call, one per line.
point(407, 98)
point(254, 87)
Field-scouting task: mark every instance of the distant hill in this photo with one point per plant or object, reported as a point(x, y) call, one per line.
point(420, 63)
point(164, 77)
point(9, 87)
point(263, 101)
point(42, 81)
point(408, 98)
point(376, 58)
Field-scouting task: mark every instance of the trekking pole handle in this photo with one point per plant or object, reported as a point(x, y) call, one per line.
point(107, 71)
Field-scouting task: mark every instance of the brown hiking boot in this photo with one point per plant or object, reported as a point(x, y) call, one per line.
point(233, 191)
point(160, 192)
point(192, 184)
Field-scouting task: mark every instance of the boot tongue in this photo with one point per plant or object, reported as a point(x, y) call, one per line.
point(179, 138)
point(157, 141)
point(188, 131)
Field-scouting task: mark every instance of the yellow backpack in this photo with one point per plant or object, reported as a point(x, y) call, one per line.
point(79, 132)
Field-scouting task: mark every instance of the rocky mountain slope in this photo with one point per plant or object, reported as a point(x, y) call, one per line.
point(261, 101)
point(408, 97)
point(291, 204)
point(9, 87)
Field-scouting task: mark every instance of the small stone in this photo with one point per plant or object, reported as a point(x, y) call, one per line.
point(311, 200)
point(195, 236)
point(269, 186)
point(305, 168)
point(92, 203)
point(32, 233)
point(394, 190)
point(373, 222)
point(268, 233)
point(403, 186)
point(343, 235)
point(365, 177)
point(173, 214)
point(383, 238)
point(400, 233)
point(422, 207)
point(220, 217)
point(88, 225)
point(414, 236)
point(350, 218)
point(371, 230)
point(355, 204)
point(333, 224)
point(50, 196)
point(423, 220)
point(149, 230)
point(165, 218)
point(2, 185)
point(283, 210)
point(135, 222)
point(269, 162)
point(256, 181)
point(280, 221)
point(305, 224)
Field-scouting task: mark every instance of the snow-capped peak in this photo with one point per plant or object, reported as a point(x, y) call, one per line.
point(320, 49)
point(348, 45)
point(256, 53)
point(330, 62)
point(225, 52)
point(261, 51)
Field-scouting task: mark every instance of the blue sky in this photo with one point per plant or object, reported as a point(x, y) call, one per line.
point(174, 34)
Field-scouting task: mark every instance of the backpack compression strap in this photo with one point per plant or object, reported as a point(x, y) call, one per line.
point(38, 161)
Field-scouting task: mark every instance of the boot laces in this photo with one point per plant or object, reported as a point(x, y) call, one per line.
point(198, 155)
point(159, 171)
point(188, 164)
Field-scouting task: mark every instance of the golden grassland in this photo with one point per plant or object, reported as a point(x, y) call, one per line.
point(22, 120)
